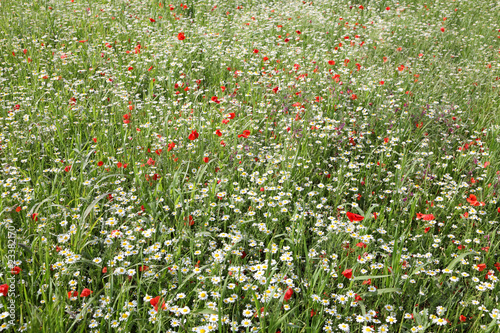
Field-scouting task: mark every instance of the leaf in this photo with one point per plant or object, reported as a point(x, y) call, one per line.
point(205, 311)
point(382, 291)
point(367, 277)
point(91, 206)
point(459, 258)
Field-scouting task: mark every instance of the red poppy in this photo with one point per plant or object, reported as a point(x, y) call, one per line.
point(425, 217)
point(245, 134)
point(143, 268)
point(181, 36)
point(86, 292)
point(243, 254)
point(347, 273)
point(72, 294)
point(67, 168)
point(205, 159)
point(298, 32)
point(152, 20)
point(358, 298)
point(288, 294)
point(15, 270)
point(104, 270)
point(463, 318)
point(18, 209)
point(426, 230)
point(231, 115)
point(313, 313)
point(442, 29)
point(4, 289)
point(481, 267)
point(154, 301)
point(331, 62)
point(119, 164)
point(361, 244)
point(255, 51)
point(193, 136)
point(151, 161)
point(171, 146)
point(218, 133)
point(275, 89)
point(265, 58)
point(354, 217)
point(130, 68)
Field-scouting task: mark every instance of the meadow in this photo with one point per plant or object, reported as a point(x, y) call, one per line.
point(249, 166)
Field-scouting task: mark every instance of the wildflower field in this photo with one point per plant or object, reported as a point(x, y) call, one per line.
point(250, 166)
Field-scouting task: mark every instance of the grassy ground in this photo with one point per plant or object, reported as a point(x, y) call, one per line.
point(292, 166)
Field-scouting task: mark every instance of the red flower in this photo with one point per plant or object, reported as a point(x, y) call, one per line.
point(205, 159)
point(219, 133)
point(181, 36)
point(425, 217)
point(243, 254)
point(16, 270)
point(498, 210)
point(463, 318)
point(361, 244)
point(130, 68)
point(193, 136)
point(265, 58)
point(347, 273)
point(298, 32)
point(232, 115)
point(481, 267)
point(354, 217)
point(67, 168)
point(72, 294)
point(18, 209)
point(143, 268)
point(358, 298)
point(152, 20)
point(442, 29)
point(426, 230)
point(4, 289)
point(331, 62)
point(288, 294)
point(171, 146)
point(119, 164)
point(313, 313)
point(34, 216)
point(154, 302)
point(151, 161)
point(245, 134)
point(354, 96)
point(86, 292)
point(255, 51)
point(381, 82)
point(104, 270)
point(275, 89)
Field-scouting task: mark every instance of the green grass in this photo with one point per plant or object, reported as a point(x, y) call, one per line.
point(103, 189)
